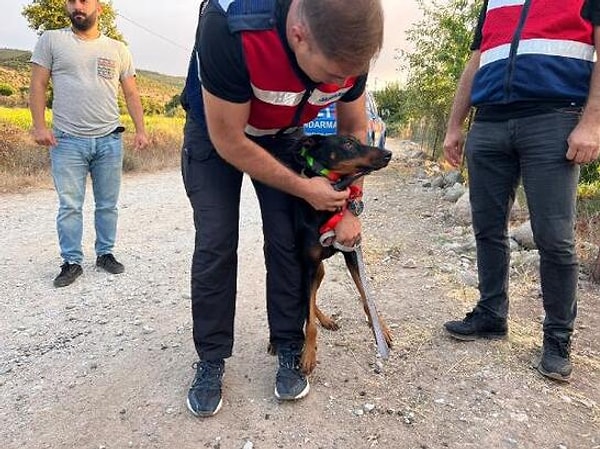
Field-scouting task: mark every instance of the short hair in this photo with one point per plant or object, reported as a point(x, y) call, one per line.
point(349, 32)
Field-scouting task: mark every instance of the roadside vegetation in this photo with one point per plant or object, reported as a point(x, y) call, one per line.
point(416, 109)
point(23, 164)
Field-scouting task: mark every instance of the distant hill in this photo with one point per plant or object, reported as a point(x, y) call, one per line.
point(155, 88)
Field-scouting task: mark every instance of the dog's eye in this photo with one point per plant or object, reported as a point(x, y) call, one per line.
point(349, 146)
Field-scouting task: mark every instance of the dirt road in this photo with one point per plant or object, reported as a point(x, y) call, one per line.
point(106, 362)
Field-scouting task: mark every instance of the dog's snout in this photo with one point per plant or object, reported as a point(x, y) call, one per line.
point(387, 156)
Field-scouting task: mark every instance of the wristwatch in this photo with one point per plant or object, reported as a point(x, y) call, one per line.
point(356, 206)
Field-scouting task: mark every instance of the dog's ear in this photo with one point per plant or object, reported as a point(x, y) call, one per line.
point(312, 141)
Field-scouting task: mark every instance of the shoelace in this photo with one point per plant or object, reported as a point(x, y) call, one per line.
point(557, 346)
point(208, 375)
point(289, 359)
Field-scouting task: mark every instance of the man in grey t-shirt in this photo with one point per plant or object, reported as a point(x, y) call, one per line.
point(86, 69)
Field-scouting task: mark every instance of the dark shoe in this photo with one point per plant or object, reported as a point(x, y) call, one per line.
point(477, 325)
point(290, 382)
point(108, 263)
point(68, 273)
point(555, 362)
point(204, 396)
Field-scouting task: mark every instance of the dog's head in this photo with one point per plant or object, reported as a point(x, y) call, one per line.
point(341, 156)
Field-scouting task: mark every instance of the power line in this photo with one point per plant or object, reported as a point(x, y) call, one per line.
point(148, 30)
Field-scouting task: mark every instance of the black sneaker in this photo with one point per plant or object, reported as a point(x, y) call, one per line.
point(290, 382)
point(204, 396)
point(68, 273)
point(108, 263)
point(555, 363)
point(477, 325)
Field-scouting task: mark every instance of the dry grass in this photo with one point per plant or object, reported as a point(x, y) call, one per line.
point(25, 165)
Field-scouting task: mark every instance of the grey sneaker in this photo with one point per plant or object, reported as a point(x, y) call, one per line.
point(290, 382)
point(555, 363)
point(477, 325)
point(68, 273)
point(108, 263)
point(204, 396)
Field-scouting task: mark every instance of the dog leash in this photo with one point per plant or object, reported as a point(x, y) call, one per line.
point(382, 346)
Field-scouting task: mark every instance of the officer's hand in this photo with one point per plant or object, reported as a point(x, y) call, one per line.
point(453, 146)
point(584, 143)
point(347, 232)
point(322, 196)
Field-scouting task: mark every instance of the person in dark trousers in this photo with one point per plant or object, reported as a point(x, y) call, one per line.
point(86, 69)
point(259, 70)
point(534, 82)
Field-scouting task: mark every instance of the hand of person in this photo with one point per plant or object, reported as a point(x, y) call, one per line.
point(584, 143)
point(322, 196)
point(43, 136)
point(140, 140)
point(347, 231)
point(453, 146)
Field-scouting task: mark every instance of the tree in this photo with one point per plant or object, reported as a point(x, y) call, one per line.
point(441, 44)
point(45, 15)
point(391, 103)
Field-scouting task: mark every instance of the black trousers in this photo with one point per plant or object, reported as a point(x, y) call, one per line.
point(213, 187)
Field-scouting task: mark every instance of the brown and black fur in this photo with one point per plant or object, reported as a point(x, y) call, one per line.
point(349, 159)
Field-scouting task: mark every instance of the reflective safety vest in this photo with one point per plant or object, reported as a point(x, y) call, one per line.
point(280, 99)
point(534, 50)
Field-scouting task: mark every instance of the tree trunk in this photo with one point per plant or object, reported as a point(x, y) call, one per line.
point(596, 270)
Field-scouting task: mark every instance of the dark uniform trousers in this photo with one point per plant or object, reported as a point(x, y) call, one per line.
point(213, 187)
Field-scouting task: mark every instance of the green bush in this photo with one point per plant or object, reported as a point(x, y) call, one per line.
point(6, 90)
point(590, 173)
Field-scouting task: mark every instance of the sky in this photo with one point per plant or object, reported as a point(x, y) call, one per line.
point(160, 33)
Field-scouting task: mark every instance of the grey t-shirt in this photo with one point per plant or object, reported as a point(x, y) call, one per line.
point(85, 77)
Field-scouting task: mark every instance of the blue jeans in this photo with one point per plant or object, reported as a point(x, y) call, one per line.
point(72, 159)
point(533, 149)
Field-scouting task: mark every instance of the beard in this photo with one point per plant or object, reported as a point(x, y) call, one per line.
point(81, 21)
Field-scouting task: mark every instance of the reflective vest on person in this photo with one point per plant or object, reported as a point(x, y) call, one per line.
point(534, 50)
point(280, 98)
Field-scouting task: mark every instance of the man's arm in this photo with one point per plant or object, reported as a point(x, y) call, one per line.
point(454, 140)
point(40, 77)
point(226, 123)
point(351, 120)
point(136, 111)
point(584, 141)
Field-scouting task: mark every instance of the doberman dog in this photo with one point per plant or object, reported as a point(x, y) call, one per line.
point(342, 160)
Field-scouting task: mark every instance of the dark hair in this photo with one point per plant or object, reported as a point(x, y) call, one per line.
point(349, 32)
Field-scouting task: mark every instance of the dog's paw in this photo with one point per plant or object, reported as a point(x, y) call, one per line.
point(330, 324)
point(308, 362)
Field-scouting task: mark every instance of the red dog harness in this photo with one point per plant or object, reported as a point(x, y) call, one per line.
point(329, 225)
